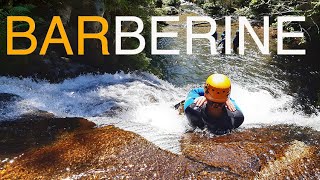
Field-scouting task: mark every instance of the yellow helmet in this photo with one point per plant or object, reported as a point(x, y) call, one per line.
point(217, 88)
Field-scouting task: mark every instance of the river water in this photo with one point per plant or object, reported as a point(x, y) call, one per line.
point(143, 103)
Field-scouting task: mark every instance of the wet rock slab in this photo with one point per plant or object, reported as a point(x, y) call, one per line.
point(263, 153)
point(80, 151)
point(106, 152)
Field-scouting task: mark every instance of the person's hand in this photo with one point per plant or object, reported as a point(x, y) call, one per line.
point(199, 101)
point(230, 105)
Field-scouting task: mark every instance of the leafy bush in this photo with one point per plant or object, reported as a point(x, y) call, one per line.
point(143, 9)
point(260, 6)
point(21, 10)
point(245, 11)
point(212, 9)
point(171, 2)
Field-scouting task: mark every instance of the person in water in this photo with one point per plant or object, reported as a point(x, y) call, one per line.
point(212, 108)
point(223, 42)
point(215, 35)
point(236, 42)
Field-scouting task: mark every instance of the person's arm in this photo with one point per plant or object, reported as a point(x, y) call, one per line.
point(196, 95)
point(192, 110)
point(194, 116)
point(230, 105)
point(233, 105)
point(236, 118)
point(193, 94)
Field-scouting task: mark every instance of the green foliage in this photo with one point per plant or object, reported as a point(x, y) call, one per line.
point(212, 9)
point(134, 62)
point(256, 9)
point(209, 6)
point(126, 6)
point(245, 11)
point(259, 6)
point(215, 7)
point(241, 3)
point(42, 11)
point(171, 2)
point(20, 10)
point(160, 12)
point(3, 40)
point(199, 2)
point(143, 9)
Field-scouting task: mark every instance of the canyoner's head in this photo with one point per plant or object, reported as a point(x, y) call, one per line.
point(217, 89)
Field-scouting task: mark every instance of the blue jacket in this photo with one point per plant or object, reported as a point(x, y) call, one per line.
point(197, 92)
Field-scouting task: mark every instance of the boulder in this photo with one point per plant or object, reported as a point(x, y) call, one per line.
point(268, 152)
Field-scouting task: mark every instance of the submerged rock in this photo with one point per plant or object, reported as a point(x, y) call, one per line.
point(7, 97)
point(10, 102)
point(269, 152)
point(106, 152)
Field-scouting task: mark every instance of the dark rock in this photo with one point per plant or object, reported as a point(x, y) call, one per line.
point(7, 97)
point(36, 114)
point(113, 111)
point(269, 152)
point(6, 102)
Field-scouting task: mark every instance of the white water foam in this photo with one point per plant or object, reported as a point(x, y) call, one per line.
point(141, 103)
point(261, 107)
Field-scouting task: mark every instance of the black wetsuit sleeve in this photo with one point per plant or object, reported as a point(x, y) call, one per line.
point(194, 116)
point(236, 118)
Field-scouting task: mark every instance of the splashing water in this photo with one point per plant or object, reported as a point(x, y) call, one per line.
point(141, 103)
